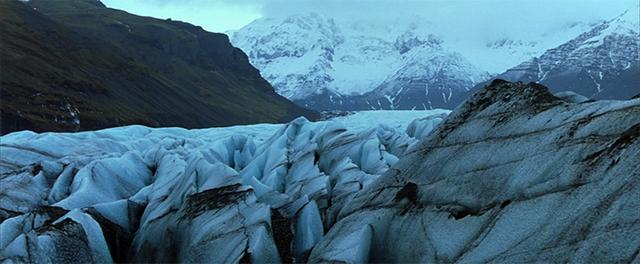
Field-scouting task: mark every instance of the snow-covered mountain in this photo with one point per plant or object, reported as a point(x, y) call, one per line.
point(326, 63)
point(430, 77)
point(602, 63)
point(294, 53)
point(501, 51)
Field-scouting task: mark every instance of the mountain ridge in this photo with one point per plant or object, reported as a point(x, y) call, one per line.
point(97, 67)
point(601, 63)
point(351, 66)
point(375, 71)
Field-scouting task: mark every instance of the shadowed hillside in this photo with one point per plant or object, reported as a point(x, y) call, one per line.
point(72, 65)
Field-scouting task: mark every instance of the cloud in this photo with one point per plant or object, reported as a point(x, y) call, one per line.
point(215, 16)
point(490, 15)
point(468, 17)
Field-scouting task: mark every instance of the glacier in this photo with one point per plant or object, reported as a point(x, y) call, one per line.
point(514, 174)
point(170, 195)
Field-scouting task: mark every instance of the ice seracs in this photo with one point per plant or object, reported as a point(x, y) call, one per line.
point(514, 174)
point(170, 195)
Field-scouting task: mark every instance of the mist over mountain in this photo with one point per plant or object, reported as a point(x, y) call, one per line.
point(601, 63)
point(323, 64)
point(328, 63)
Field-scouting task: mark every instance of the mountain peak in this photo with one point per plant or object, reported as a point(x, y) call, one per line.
point(601, 63)
point(629, 20)
point(98, 67)
point(356, 64)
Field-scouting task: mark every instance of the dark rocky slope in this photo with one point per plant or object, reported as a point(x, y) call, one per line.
point(514, 174)
point(72, 65)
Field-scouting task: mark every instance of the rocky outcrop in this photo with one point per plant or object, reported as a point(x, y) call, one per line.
point(514, 174)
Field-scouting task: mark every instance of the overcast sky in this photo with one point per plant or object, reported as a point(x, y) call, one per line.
point(502, 15)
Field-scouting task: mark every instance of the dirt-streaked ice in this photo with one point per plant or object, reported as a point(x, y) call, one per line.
point(170, 195)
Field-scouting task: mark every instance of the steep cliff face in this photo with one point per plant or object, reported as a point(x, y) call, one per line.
point(75, 65)
point(514, 174)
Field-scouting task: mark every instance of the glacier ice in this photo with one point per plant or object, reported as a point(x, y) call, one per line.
point(170, 194)
point(513, 175)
